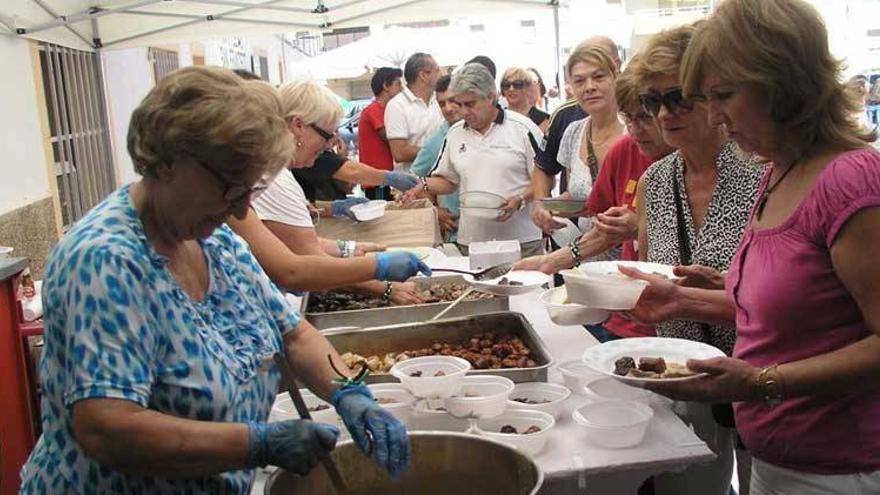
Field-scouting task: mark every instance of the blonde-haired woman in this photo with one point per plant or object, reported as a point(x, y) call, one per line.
point(160, 324)
point(518, 87)
point(591, 74)
point(802, 289)
point(310, 110)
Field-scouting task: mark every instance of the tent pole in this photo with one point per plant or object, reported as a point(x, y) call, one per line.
point(232, 3)
point(190, 23)
point(174, 15)
point(66, 20)
point(558, 56)
point(377, 11)
point(67, 26)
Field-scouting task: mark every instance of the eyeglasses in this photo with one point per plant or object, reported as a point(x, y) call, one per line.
point(518, 84)
point(327, 136)
point(236, 193)
point(641, 117)
point(673, 100)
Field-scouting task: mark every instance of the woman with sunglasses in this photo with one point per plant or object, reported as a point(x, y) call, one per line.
point(693, 207)
point(285, 211)
point(157, 374)
point(518, 88)
point(802, 288)
point(311, 111)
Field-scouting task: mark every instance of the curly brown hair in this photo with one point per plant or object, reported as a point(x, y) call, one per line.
point(235, 127)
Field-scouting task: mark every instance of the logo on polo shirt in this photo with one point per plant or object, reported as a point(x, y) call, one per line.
point(462, 148)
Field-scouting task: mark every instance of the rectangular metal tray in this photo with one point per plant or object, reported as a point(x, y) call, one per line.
point(391, 315)
point(401, 337)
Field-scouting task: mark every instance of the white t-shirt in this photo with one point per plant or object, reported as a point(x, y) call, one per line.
point(408, 117)
point(500, 162)
point(284, 202)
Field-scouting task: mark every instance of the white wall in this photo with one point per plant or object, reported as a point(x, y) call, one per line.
point(128, 77)
point(23, 173)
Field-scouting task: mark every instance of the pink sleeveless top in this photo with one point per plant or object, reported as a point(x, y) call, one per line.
point(790, 305)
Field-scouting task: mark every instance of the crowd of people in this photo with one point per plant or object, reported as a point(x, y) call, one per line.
point(729, 148)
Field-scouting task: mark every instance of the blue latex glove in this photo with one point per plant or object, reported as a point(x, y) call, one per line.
point(399, 266)
point(362, 416)
point(295, 445)
point(400, 181)
point(342, 207)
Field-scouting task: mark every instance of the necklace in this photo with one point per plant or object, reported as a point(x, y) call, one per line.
point(763, 202)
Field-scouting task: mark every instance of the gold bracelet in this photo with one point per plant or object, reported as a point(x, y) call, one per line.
point(770, 386)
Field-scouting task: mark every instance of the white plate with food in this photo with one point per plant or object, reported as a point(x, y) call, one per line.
point(513, 283)
point(641, 360)
point(610, 269)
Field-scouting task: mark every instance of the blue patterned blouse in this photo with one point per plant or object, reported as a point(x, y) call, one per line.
point(119, 326)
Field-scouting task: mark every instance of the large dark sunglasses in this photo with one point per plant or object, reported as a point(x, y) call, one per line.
point(518, 84)
point(673, 100)
point(236, 193)
point(321, 132)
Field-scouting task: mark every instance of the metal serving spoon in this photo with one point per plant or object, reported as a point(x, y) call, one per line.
point(487, 274)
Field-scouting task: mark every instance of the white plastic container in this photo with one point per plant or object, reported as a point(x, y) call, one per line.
point(402, 406)
point(538, 392)
point(490, 253)
point(480, 397)
point(532, 443)
point(283, 409)
point(614, 424)
point(604, 292)
point(370, 210)
point(6, 251)
point(425, 418)
point(563, 312)
point(576, 374)
point(612, 389)
point(429, 385)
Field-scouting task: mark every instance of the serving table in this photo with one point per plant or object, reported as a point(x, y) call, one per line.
point(571, 463)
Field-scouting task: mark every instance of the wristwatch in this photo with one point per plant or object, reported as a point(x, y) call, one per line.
point(770, 386)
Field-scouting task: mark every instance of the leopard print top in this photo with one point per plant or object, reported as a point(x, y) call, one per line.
point(715, 244)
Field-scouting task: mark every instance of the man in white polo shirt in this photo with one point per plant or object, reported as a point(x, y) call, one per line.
point(489, 150)
point(413, 113)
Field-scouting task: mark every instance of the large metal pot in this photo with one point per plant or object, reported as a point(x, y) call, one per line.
point(442, 464)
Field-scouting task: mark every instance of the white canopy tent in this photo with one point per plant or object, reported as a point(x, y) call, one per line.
point(85, 24)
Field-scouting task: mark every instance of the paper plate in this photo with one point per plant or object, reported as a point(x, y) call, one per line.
point(563, 205)
point(601, 357)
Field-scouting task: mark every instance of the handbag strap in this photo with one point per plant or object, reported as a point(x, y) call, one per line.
point(592, 162)
point(684, 244)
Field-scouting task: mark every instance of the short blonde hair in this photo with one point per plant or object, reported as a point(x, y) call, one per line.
point(626, 87)
point(779, 47)
point(588, 52)
point(211, 115)
point(518, 73)
point(313, 103)
point(662, 55)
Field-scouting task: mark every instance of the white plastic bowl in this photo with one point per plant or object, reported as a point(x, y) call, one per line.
point(428, 386)
point(481, 199)
point(576, 374)
point(402, 408)
point(614, 424)
point(603, 291)
point(480, 397)
point(370, 210)
point(521, 419)
point(424, 418)
point(613, 389)
point(6, 251)
point(563, 312)
point(537, 392)
point(283, 409)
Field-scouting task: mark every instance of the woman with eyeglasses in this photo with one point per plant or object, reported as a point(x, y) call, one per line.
point(802, 288)
point(614, 194)
point(518, 89)
point(160, 326)
point(693, 208)
point(279, 228)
